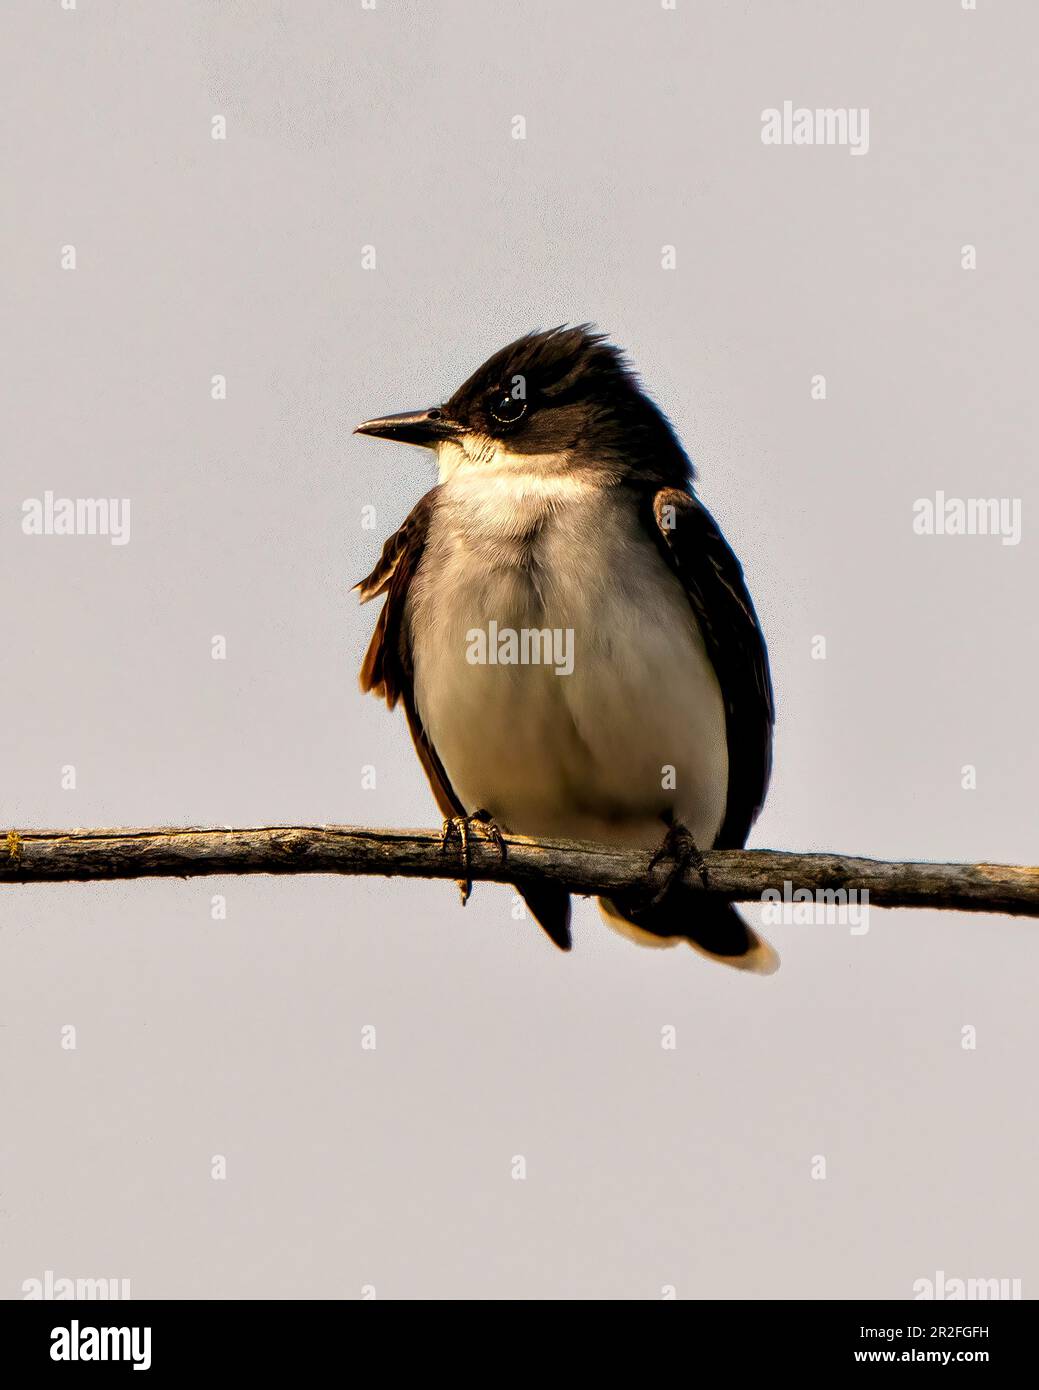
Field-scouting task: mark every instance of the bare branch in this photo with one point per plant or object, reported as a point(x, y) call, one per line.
point(53, 856)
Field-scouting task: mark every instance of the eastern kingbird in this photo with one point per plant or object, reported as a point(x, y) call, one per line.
point(571, 636)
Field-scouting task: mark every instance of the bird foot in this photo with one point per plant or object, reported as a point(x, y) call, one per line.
point(681, 849)
point(462, 826)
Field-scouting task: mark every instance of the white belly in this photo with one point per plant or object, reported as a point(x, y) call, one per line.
point(635, 730)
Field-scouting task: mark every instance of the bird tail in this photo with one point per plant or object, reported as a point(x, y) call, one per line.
point(711, 926)
point(551, 908)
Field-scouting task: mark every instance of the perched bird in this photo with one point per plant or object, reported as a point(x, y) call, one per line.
point(571, 636)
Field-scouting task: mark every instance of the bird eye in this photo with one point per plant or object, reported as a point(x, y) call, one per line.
point(506, 409)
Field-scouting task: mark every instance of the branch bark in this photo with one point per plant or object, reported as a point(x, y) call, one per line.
point(55, 856)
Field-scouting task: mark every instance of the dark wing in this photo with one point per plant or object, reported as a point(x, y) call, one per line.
point(386, 669)
point(713, 579)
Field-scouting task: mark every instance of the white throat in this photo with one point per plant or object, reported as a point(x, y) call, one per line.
point(484, 474)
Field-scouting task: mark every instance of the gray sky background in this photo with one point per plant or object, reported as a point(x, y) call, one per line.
point(346, 128)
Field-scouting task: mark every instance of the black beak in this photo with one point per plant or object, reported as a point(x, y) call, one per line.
point(426, 427)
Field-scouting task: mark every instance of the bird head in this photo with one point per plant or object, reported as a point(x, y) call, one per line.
point(548, 402)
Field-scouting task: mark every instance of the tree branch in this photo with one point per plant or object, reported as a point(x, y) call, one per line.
point(54, 856)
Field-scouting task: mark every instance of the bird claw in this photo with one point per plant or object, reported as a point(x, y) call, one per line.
point(458, 825)
point(680, 847)
point(462, 826)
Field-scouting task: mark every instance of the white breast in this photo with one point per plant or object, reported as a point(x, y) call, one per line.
point(636, 729)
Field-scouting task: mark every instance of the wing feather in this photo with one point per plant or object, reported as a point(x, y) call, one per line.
point(713, 579)
point(387, 669)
